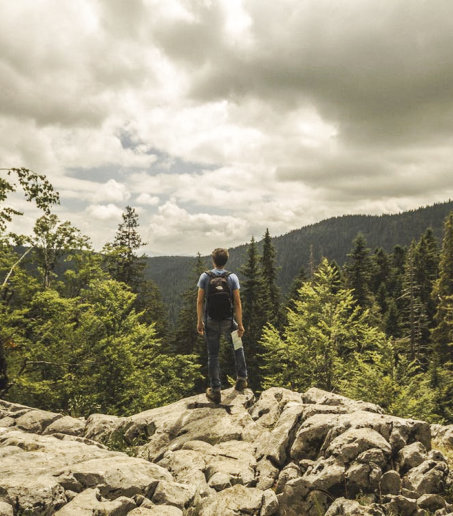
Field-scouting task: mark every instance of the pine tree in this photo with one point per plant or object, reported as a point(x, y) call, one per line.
point(271, 290)
point(122, 261)
point(358, 271)
point(123, 264)
point(426, 262)
point(324, 332)
point(414, 316)
point(297, 283)
point(186, 339)
point(253, 295)
point(442, 333)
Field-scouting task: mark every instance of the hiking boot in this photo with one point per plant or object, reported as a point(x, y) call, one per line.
point(241, 384)
point(213, 395)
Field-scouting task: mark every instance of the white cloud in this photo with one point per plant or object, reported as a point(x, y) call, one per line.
point(288, 112)
point(112, 191)
point(146, 199)
point(109, 212)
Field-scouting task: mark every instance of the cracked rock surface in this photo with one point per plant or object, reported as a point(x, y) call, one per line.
point(284, 453)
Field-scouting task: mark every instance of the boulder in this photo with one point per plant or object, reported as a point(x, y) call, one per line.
point(343, 507)
point(286, 453)
point(91, 502)
point(429, 477)
point(6, 509)
point(390, 482)
point(411, 456)
point(233, 501)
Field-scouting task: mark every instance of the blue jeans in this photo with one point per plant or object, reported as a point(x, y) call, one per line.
point(213, 331)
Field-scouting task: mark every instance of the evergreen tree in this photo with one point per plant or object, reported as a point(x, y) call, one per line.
point(298, 281)
point(426, 262)
point(271, 290)
point(186, 339)
point(122, 261)
point(325, 332)
point(442, 333)
point(414, 316)
point(123, 264)
point(358, 270)
point(253, 295)
point(443, 291)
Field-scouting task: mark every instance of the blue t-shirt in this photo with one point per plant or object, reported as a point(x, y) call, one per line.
point(233, 280)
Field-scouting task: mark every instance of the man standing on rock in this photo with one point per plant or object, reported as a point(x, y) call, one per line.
point(218, 298)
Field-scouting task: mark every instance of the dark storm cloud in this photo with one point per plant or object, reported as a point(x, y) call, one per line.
point(380, 71)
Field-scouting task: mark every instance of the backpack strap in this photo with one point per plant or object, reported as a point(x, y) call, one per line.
point(223, 275)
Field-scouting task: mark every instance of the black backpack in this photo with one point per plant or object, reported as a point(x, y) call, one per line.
point(218, 296)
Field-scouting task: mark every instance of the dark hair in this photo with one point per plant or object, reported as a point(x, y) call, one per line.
point(220, 256)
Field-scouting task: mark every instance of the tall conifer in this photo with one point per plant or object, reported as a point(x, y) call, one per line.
point(254, 313)
point(359, 272)
point(271, 290)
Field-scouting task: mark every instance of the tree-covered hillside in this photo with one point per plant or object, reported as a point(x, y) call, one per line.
point(330, 238)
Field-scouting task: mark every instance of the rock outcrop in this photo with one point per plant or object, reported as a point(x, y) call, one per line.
point(283, 454)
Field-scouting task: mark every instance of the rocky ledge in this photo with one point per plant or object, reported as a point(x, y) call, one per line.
point(282, 454)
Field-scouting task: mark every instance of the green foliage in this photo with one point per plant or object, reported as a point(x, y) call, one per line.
point(185, 339)
point(52, 240)
point(253, 296)
point(324, 331)
point(92, 353)
point(271, 294)
point(35, 187)
point(121, 259)
point(359, 272)
point(399, 386)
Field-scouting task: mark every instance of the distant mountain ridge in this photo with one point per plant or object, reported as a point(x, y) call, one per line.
point(331, 238)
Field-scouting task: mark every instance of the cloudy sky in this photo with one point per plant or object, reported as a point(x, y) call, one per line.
point(218, 118)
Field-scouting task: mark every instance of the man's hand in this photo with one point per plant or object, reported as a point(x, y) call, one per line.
point(241, 330)
point(200, 327)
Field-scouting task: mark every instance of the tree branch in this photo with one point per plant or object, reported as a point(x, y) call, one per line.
point(3, 285)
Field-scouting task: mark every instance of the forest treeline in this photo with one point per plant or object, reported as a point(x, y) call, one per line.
point(94, 336)
point(306, 246)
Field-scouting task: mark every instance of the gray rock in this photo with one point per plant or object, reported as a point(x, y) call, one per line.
point(172, 493)
point(343, 506)
point(156, 510)
point(100, 427)
point(321, 397)
point(118, 474)
point(362, 478)
point(36, 421)
point(270, 503)
point(233, 501)
point(267, 410)
point(310, 436)
point(220, 481)
point(398, 504)
point(372, 456)
point(428, 478)
point(391, 482)
point(266, 474)
point(289, 472)
point(274, 444)
point(354, 441)
point(91, 502)
point(411, 456)
point(6, 509)
point(431, 502)
point(66, 425)
point(197, 458)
